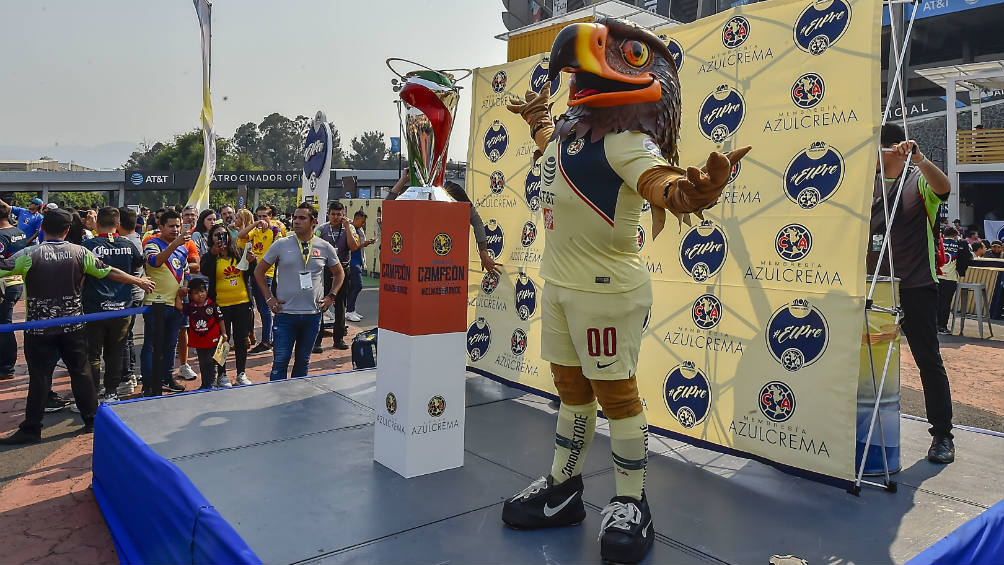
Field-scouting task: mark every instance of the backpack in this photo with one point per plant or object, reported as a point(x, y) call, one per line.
point(364, 350)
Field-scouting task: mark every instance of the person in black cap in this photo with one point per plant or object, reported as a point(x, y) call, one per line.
point(53, 273)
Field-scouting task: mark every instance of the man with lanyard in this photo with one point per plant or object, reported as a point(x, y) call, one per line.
point(12, 240)
point(108, 336)
point(166, 263)
point(298, 304)
point(341, 234)
point(913, 246)
point(29, 220)
point(53, 274)
point(262, 234)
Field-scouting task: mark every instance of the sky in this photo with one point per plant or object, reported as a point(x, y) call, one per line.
point(96, 78)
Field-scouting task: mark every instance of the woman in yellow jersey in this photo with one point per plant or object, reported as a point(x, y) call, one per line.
point(228, 287)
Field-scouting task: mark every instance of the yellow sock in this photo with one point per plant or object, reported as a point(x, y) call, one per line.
point(629, 443)
point(576, 425)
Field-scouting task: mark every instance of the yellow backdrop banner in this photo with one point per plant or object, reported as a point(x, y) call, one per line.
point(754, 338)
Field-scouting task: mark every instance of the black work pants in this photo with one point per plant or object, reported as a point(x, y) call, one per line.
point(238, 319)
point(341, 299)
point(208, 367)
point(129, 348)
point(920, 327)
point(946, 291)
point(41, 353)
point(106, 337)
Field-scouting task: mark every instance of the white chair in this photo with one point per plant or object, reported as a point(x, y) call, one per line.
point(981, 309)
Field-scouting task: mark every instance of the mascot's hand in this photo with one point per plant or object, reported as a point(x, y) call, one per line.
point(685, 192)
point(536, 110)
point(700, 189)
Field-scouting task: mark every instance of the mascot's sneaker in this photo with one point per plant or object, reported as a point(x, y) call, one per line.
point(544, 504)
point(626, 532)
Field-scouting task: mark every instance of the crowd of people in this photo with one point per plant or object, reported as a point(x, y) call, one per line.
point(201, 276)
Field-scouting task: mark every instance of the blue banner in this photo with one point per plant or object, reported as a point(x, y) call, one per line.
point(395, 145)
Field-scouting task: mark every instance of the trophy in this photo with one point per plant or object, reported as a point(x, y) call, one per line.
point(430, 98)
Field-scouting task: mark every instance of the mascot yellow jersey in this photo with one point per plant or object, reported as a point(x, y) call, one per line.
point(592, 210)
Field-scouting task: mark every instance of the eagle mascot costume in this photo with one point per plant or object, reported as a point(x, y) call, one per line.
point(613, 150)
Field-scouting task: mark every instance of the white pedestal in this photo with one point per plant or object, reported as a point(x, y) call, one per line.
point(420, 402)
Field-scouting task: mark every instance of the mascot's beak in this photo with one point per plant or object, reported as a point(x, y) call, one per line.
point(581, 49)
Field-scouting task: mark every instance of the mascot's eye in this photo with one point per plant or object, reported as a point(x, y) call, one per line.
point(635, 53)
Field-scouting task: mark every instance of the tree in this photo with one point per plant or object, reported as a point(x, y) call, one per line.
point(281, 143)
point(337, 153)
point(247, 140)
point(369, 151)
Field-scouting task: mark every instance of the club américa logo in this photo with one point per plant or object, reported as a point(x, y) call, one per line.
point(518, 342)
point(575, 146)
point(641, 237)
point(531, 188)
point(396, 242)
point(807, 91)
point(496, 141)
point(821, 24)
point(499, 81)
point(390, 402)
point(494, 238)
point(442, 244)
point(735, 32)
point(496, 182)
point(813, 175)
point(797, 334)
point(687, 393)
point(538, 78)
point(706, 311)
point(776, 401)
point(734, 173)
point(525, 296)
point(722, 112)
point(437, 405)
point(479, 339)
point(793, 242)
point(703, 250)
point(489, 282)
point(529, 234)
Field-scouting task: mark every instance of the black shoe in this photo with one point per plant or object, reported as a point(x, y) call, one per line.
point(340, 344)
point(944, 331)
point(261, 347)
point(172, 386)
point(942, 450)
point(55, 404)
point(544, 504)
point(626, 533)
point(21, 437)
point(6, 376)
point(87, 429)
point(317, 348)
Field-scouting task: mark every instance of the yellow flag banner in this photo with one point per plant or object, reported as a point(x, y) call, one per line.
point(200, 193)
point(753, 343)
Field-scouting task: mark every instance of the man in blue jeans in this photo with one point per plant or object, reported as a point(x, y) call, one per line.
point(300, 261)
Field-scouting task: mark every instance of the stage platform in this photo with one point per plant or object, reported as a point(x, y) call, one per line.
point(289, 466)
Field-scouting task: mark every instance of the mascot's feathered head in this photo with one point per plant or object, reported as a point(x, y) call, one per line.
point(623, 79)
